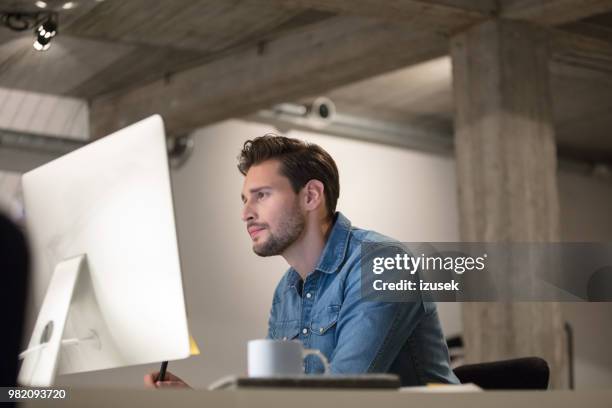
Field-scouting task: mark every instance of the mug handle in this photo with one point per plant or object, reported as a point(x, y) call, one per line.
point(315, 352)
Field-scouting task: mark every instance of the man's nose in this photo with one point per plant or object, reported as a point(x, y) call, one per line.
point(247, 213)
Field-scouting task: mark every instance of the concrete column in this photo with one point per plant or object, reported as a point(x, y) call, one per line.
point(506, 168)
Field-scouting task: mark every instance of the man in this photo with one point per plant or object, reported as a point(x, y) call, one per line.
point(289, 200)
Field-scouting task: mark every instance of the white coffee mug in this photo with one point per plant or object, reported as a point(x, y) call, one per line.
point(279, 358)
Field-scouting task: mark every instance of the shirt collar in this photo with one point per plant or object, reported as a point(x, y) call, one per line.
point(334, 251)
point(335, 247)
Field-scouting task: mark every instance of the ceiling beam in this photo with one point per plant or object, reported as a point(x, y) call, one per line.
point(590, 29)
point(307, 62)
point(450, 15)
point(553, 12)
point(442, 15)
point(326, 55)
point(572, 53)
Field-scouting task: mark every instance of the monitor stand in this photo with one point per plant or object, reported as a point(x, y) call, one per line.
point(41, 359)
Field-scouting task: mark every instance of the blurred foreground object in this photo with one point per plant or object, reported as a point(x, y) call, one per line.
point(14, 265)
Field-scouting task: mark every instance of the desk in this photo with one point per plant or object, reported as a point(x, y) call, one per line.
point(270, 398)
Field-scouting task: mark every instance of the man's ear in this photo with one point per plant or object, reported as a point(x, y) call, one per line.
point(313, 195)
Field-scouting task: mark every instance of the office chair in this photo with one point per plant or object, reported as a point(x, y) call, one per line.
point(529, 373)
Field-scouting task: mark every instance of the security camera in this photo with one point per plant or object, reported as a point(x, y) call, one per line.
point(180, 149)
point(321, 112)
point(318, 114)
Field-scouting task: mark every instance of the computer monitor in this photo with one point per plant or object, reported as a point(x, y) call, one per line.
point(106, 268)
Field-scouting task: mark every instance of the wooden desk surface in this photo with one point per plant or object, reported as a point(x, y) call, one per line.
point(270, 398)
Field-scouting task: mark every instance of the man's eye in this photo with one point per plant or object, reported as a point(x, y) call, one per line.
point(260, 195)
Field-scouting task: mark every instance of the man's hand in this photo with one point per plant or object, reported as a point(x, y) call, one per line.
point(170, 381)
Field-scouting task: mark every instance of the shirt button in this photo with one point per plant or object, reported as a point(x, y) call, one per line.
point(305, 331)
point(285, 338)
point(321, 330)
point(308, 295)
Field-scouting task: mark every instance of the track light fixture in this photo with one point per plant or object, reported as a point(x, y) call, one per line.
point(44, 33)
point(44, 23)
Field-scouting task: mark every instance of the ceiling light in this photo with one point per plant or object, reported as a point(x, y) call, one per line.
point(48, 27)
point(41, 4)
point(45, 32)
point(69, 5)
point(43, 23)
point(42, 43)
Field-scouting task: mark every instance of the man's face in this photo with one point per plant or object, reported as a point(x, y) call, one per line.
point(271, 209)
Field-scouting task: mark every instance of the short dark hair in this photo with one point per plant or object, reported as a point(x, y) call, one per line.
point(299, 161)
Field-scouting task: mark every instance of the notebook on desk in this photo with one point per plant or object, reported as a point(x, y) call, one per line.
point(365, 381)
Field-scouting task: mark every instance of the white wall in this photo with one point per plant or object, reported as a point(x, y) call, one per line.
point(405, 194)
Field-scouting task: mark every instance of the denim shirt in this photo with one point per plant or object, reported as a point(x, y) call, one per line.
point(326, 312)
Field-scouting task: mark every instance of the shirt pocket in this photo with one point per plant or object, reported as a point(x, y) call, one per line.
point(286, 330)
point(324, 322)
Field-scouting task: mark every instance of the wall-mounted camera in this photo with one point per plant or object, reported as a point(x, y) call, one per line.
point(322, 111)
point(318, 114)
point(180, 149)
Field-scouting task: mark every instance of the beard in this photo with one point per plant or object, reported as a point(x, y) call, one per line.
point(291, 226)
